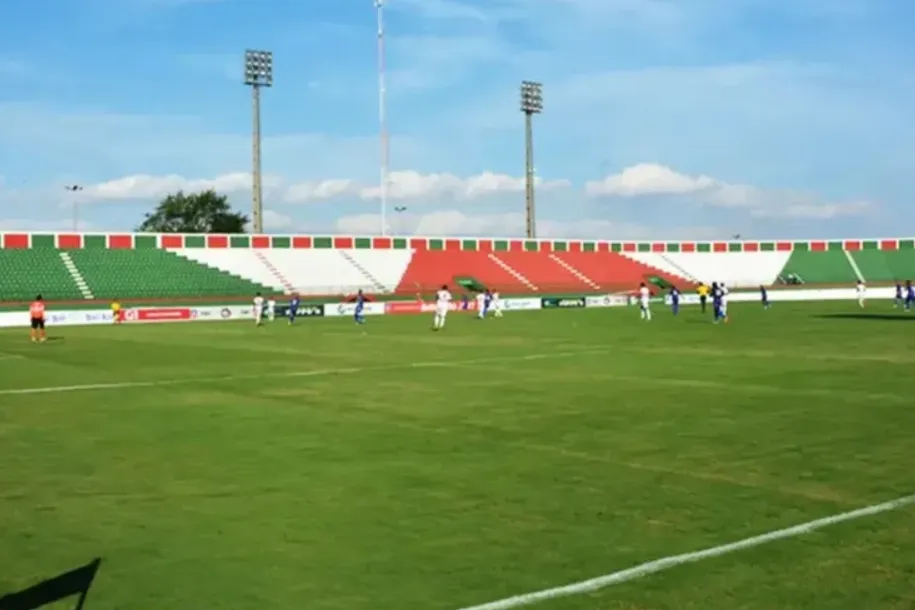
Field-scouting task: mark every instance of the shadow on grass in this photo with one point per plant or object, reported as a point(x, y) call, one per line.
point(75, 583)
point(880, 317)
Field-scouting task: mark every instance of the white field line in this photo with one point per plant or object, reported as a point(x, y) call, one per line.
point(665, 563)
point(122, 385)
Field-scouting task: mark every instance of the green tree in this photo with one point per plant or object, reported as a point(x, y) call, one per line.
point(203, 212)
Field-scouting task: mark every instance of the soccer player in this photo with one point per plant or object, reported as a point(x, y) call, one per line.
point(36, 314)
point(258, 309)
point(482, 304)
point(293, 308)
point(442, 303)
point(644, 302)
point(723, 303)
point(703, 296)
point(764, 296)
point(117, 314)
point(899, 298)
point(359, 311)
point(271, 308)
point(861, 291)
point(674, 300)
point(909, 295)
point(716, 302)
point(496, 305)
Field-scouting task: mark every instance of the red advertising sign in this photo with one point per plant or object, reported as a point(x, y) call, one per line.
point(395, 307)
point(163, 315)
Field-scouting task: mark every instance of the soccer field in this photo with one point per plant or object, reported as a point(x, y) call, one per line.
point(330, 466)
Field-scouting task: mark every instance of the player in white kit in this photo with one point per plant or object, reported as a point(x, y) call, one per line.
point(724, 302)
point(861, 291)
point(481, 305)
point(645, 303)
point(496, 305)
point(258, 309)
point(442, 303)
point(271, 309)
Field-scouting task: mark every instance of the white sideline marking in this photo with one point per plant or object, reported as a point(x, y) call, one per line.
point(122, 385)
point(665, 563)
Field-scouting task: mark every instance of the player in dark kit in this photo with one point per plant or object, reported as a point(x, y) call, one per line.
point(293, 308)
point(764, 295)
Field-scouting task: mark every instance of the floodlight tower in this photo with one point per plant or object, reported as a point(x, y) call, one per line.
point(531, 104)
point(74, 188)
point(258, 73)
point(382, 117)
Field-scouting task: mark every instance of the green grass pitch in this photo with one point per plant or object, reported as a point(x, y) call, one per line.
point(319, 467)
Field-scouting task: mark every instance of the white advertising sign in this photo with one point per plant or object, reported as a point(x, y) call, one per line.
point(334, 310)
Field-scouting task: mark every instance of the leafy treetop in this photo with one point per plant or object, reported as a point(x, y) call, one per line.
point(203, 212)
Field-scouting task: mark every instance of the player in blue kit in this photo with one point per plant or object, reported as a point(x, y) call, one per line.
point(717, 314)
point(909, 295)
point(764, 296)
point(293, 308)
point(674, 300)
point(359, 312)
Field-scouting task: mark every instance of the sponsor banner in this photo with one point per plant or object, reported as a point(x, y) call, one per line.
point(161, 314)
point(304, 311)
point(403, 307)
point(562, 302)
point(414, 307)
point(520, 304)
point(332, 310)
point(65, 317)
point(685, 299)
point(607, 300)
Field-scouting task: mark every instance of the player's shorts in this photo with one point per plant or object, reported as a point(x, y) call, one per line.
point(644, 303)
point(441, 309)
point(38, 323)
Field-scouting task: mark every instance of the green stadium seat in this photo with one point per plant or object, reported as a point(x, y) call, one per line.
point(886, 265)
point(829, 267)
point(26, 273)
point(154, 273)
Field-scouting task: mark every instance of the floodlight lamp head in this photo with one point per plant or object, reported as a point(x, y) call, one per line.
point(531, 97)
point(259, 68)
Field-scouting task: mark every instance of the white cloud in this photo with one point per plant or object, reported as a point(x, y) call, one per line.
point(144, 186)
point(30, 224)
point(412, 185)
point(650, 179)
point(402, 186)
point(457, 223)
point(274, 221)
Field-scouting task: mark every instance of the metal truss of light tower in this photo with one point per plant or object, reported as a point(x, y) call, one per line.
point(258, 73)
point(74, 188)
point(531, 104)
point(384, 140)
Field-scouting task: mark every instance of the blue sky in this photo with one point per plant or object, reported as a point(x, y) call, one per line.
point(693, 118)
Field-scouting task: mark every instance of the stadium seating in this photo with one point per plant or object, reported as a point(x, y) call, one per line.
point(831, 267)
point(430, 269)
point(735, 269)
point(154, 274)
point(880, 266)
point(617, 272)
point(67, 267)
point(26, 273)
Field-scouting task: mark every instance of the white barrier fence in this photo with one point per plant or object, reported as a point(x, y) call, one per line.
point(218, 313)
